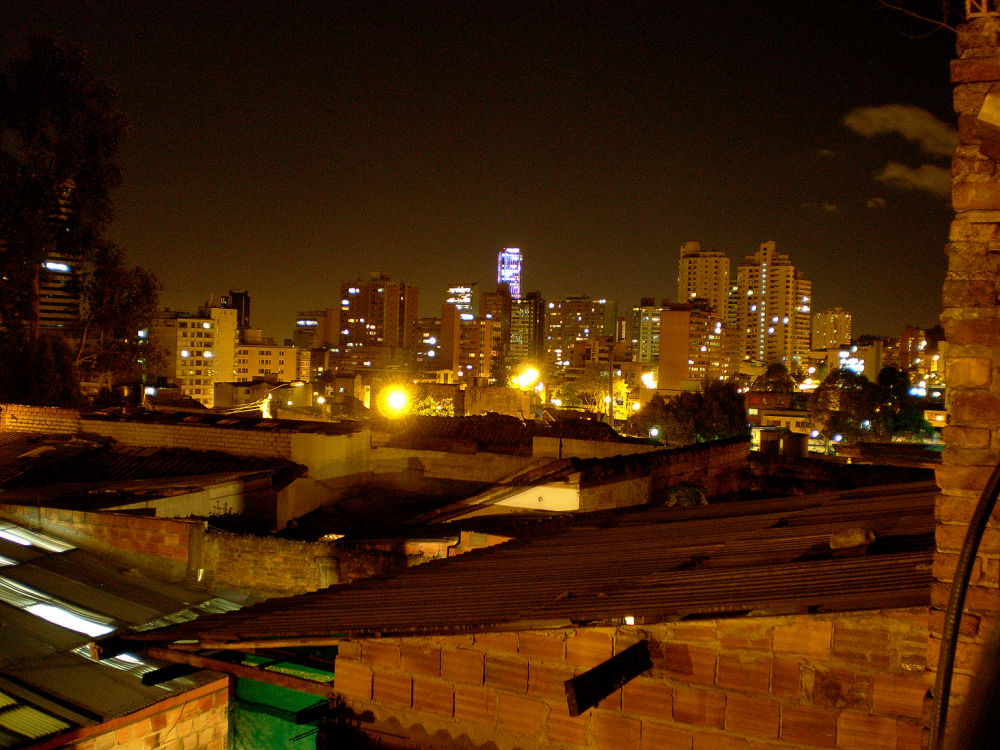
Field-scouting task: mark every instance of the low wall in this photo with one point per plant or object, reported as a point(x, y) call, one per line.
point(853, 681)
point(20, 418)
point(198, 718)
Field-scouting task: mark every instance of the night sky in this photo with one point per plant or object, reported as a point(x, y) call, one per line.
point(286, 147)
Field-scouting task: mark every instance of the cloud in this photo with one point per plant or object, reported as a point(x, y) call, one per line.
point(824, 206)
point(876, 203)
point(912, 123)
point(927, 178)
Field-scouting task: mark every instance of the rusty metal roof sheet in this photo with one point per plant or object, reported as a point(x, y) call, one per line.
point(759, 557)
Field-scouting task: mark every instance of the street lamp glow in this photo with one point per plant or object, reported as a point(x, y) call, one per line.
point(394, 401)
point(526, 379)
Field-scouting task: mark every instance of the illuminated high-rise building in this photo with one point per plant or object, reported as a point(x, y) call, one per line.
point(378, 312)
point(460, 295)
point(576, 318)
point(191, 346)
point(509, 270)
point(692, 346)
point(527, 330)
point(773, 306)
point(831, 329)
point(703, 274)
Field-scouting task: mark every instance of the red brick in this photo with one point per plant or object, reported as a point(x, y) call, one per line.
point(748, 714)
point(711, 741)
point(865, 645)
point(392, 687)
point(521, 715)
point(863, 732)
point(697, 632)
point(738, 672)
point(434, 696)
point(665, 737)
point(786, 678)
point(588, 648)
point(910, 736)
point(808, 725)
point(612, 701)
point(975, 70)
point(462, 665)
point(614, 731)
point(899, 695)
point(804, 637)
point(353, 680)
point(503, 642)
point(349, 650)
point(548, 682)
point(475, 704)
point(541, 646)
point(686, 662)
point(571, 730)
point(648, 697)
point(380, 653)
point(703, 708)
point(740, 634)
point(507, 673)
point(422, 660)
point(841, 688)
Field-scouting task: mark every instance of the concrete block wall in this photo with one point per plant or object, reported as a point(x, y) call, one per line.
point(241, 442)
point(971, 321)
point(51, 419)
point(198, 718)
point(850, 681)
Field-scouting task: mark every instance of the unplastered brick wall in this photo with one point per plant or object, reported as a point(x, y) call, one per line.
point(49, 419)
point(971, 322)
point(848, 681)
point(163, 544)
point(198, 718)
point(269, 566)
point(243, 441)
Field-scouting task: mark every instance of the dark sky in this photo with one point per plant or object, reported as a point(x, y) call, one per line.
point(286, 147)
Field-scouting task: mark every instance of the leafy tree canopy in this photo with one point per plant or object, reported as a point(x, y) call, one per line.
point(715, 413)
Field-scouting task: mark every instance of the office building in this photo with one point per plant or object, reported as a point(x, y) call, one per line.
point(377, 313)
point(460, 295)
point(509, 270)
point(576, 318)
point(703, 274)
point(773, 308)
point(527, 331)
point(831, 329)
point(692, 347)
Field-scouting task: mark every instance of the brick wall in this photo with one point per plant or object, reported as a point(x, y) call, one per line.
point(848, 681)
point(198, 718)
point(241, 442)
point(972, 329)
point(19, 418)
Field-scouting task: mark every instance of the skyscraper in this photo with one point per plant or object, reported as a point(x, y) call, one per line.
point(703, 274)
point(377, 312)
point(509, 270)
point(831, 328)
point(773, 304)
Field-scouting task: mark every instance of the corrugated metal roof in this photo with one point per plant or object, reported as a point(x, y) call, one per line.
point(48, 682)
point(730, 559)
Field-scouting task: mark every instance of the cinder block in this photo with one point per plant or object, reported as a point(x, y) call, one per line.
point(393, 687)
point(588, 648)
point(353, 680)
point(648, 697)
point(548, 681)
point(700, 707)
point(612, 731)
point(686, 662)
point(571, 730)
point(857, 731)
point(752, 715)
point(657, 736)
point(804, 637)
point(420, 659)
point(434, 696)
point(508, 673)
point(499, 642)
point(541, 646)
point(808, 725)
point(749, 674)
point(475, 704)
point(380, 653)
point(524, 716)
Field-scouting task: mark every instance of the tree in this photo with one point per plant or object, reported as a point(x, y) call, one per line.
point(429, 406)
point(60, 131)
point(844, 404)
point(592, 389)
point(715, 413)
point(776, 379)
point(118, 305)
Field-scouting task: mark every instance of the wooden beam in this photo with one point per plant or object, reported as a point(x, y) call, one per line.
point(590, 688)
point(321, 689)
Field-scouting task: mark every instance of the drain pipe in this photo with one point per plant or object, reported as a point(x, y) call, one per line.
point(956, 601)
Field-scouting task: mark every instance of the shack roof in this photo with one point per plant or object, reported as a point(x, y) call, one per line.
point(734, 559)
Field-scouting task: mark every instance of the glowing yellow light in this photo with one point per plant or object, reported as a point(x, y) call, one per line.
point(394, 401)
point(636, 406)
point(527, 378)
point(557, 402)
point(649, 380)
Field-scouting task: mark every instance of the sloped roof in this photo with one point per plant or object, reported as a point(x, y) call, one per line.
point(68, 468)
point(733, 559)
point(48, 682)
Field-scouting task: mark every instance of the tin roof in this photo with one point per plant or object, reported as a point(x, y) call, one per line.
point(732, 559)
point(53, 600)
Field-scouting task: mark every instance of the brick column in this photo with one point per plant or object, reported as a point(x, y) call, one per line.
point(971, 320)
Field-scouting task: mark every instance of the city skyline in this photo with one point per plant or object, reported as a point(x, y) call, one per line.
point(286, 151)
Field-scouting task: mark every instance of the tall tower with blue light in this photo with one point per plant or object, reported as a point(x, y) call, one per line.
point(509, 270)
